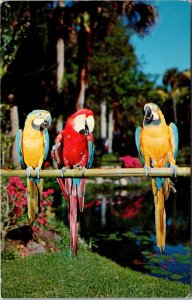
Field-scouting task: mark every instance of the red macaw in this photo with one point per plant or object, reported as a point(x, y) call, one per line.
point(32, 146)
point(157, 144)
point(74, 149)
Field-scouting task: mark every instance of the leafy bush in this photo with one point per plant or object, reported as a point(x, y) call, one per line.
point(109, 160)
point(14, 207)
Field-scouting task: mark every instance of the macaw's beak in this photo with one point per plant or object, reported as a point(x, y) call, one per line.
point(148, 114)
point(46, 123)
point(84, 131)
point(42, 121)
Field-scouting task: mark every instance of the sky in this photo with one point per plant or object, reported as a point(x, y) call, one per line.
point(168, 45)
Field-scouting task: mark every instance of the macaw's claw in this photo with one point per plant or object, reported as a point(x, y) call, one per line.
point(146, 170)
point(28, 171)
point(174, 169)
point(82, 169)
point(37, 172)
point(55, 164)
point(63, 170)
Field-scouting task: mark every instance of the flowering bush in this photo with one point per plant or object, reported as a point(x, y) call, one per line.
point(45, 204)
point(16, 192)
point(130, 162)
point(14, 207)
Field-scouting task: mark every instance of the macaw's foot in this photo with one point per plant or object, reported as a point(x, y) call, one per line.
point(28, 171)
point(37, 172)
point(82, 169)
point(63, 170)
point(147, 169)
point(174, 169)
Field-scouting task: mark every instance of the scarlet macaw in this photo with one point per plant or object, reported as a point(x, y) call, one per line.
point(32, 146)
point(157, 144)
point(74, 149)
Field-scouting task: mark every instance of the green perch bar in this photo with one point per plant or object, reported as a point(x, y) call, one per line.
point(104, 172)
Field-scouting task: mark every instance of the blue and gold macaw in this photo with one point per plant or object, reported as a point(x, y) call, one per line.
point(32, 146)
point(157, 144)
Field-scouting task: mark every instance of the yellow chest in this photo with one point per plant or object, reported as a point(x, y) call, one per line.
point(156, 143)
point(32, 146)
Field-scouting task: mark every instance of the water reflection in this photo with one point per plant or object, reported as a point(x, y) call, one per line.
point(121, 226)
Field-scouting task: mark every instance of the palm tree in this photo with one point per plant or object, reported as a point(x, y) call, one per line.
point(169, 81)
point(175, 83)
point(140, 16)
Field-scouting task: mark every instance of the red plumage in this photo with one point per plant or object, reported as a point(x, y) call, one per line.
point(73, 150)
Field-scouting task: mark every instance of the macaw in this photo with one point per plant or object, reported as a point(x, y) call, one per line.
point(32, 146)
point(74, 148)
point(157, 144)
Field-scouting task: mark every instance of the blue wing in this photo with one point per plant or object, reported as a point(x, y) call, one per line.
point(137, 141)
point(47, 143)
point(91, 150)
point(18, 141)
point(174, 139)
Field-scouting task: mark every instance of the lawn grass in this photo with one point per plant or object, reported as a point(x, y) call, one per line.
point(87, 276)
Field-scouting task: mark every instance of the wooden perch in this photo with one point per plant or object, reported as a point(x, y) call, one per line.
point(104, 172)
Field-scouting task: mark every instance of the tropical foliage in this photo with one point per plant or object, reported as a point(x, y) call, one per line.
point(95, 62)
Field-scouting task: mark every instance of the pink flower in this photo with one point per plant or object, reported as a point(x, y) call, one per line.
point(130, 162)
point(40, 221)
point(18, 212)
point(34, 228)
point(45, 194)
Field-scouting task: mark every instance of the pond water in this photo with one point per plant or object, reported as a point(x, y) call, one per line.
point(121, 226)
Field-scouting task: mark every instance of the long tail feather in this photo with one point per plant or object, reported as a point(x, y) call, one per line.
point(40, 187)
point(160, 216)
point(68, 185)
point(81, 193)
point(61, 182)
point(73, 219)
point(33, 198)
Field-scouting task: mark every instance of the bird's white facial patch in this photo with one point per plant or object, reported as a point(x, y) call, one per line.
point(79, 122)
point(90, 123)
point(155, 115)
point(38, 121)
point(42, 120)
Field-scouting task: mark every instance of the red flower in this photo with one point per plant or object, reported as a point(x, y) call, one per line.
point(130, 162)
point(34, 228)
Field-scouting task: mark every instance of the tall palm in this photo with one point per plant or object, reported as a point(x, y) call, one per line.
point(140, 16)
point(169, 81)
point(175, 83)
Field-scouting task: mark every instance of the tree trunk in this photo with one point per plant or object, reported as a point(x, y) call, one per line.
point(103, 128)
point(110, 131)
point(60, 64)
point(175, 109)
point(82, 86)
point(14, 120)
point(60, 48)
point(85, 53)
point(59, 124)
